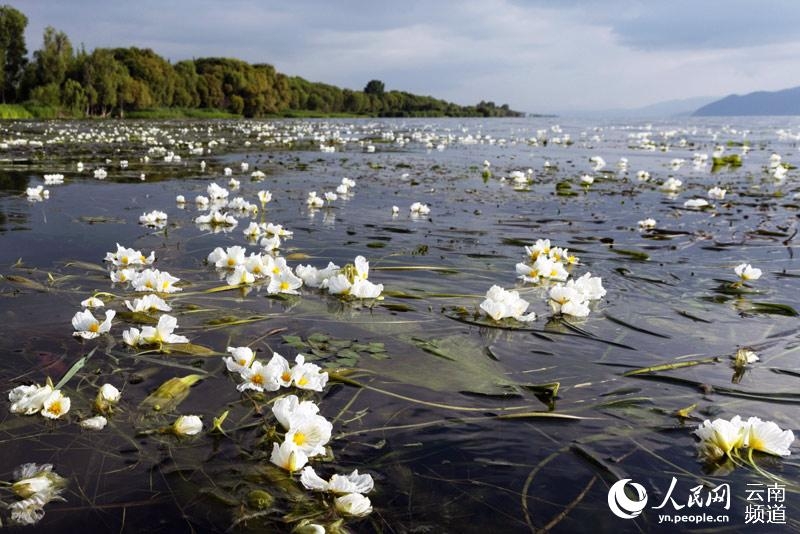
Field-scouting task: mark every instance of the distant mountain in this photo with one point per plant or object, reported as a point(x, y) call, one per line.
point(666, 109)
point(785, 102)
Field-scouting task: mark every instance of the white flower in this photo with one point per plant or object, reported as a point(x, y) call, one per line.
point(306, 375)
point(290, 407)
point(55, 405)
point(253, 231)
point(646, 224)
point(313, 277)
point(128, 257)
point(270, 243)
point(201, 201)
point(717, 193)
point(277, 230)
point(597, 162)
point(587, 180)
point(676, 163)
point(98, 422)
point(288, 456)
point(285, 282)
point(92, 302)
point(37, 193)
point(643, 176)
point(180, 199)
point(780, 172)
point(33, 479)
point(341, 484)
point(28, 511)
point(671, 185)
point(696, 203)
point(568, 300)
point(418, 208)
point(313, 201)
point(216, 192)
point(100, 173)
point(87, 327)
point(162, 332)
point(148, 303)
point(187, 425)
point(230, 258)
point(257, 175)
point(342, 189)
point(500, 304)
point(28, 399)
point(216, 218)
point(155, 280)
point(330, 196)
point(132, 337)
point(395, 210)
point(240, 277)
point(153, 218)
point(109, 393)
point(123, 275)
point(542, 246)
point(338, 284)
point(719, 437)
point(227, 171)
point(258, 265)
point(747, 272)
point(264, 197)
point(240, 359)
point(590, 287)
point(348, 182)
point(53, 179)
point(364, 289)
point(766, 436)
point(353, 504)
point(259, 377)
point(310, 434)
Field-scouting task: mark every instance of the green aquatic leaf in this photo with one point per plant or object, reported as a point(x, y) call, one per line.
point(671, 366)
point(24, 282)
point(633, 254)
point(188, 348)
point(170, 394)
point(775, 308)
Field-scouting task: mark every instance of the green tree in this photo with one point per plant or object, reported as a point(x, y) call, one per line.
point(374, 87)
point(53, 60)
point(12, 50)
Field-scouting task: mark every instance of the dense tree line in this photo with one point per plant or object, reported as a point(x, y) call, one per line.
point(115, 81)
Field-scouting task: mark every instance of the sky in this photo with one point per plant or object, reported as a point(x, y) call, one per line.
point(536, 55)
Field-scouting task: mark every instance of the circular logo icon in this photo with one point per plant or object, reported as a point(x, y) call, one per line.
point(621, 505)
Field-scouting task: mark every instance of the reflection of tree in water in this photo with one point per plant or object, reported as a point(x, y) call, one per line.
point(12, 183)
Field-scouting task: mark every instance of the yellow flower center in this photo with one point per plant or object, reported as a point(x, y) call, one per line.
point(286, 376)
point(55, 408)
point(242, 362)
point(231, 262)
point(124, 260)
point(149, 284)
point(299, 438)
point(284, 286)
point(94, 327)
point(303, 381)
point(257, 379)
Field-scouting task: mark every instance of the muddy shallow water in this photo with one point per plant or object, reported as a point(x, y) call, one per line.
point(454, 415)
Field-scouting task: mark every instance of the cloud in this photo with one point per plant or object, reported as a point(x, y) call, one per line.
point(535, 55)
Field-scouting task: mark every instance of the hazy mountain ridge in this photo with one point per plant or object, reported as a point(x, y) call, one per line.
point(784, 102)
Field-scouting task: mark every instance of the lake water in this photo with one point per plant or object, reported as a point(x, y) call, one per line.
point(452, 413)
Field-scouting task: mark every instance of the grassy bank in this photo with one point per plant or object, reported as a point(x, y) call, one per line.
point(14, 111)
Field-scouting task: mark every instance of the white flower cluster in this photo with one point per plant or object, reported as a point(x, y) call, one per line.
point(241, 270)
point(36, 485)
point(721, 438)
point(45, 400)
point(546, 263)
point(350, 280)
point(306, 432)
point(500, 304)
point(154, 219)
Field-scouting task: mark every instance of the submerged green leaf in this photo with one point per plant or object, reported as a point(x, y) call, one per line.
point(170, 393)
